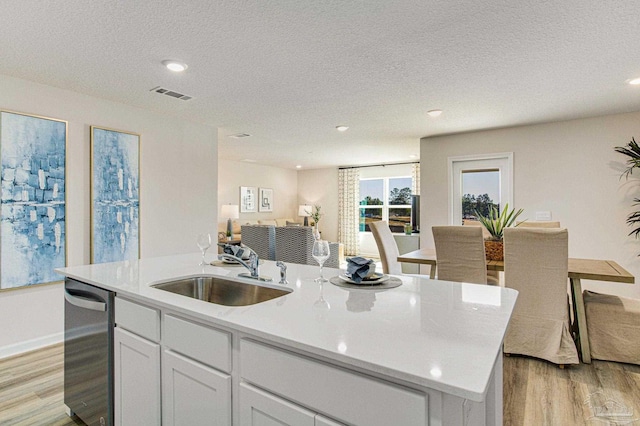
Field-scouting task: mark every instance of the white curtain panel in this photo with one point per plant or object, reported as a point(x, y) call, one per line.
point(415, 179)
point(348, 210)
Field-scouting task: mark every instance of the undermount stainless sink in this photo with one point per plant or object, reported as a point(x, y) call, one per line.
point(221, 291)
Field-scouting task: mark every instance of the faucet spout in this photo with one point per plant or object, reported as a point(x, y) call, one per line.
point(252, 264)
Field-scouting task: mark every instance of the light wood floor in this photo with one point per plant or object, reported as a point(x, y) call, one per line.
point(536, 393)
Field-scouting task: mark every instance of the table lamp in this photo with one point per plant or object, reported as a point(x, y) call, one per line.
point(305, 211)
point(230, 211)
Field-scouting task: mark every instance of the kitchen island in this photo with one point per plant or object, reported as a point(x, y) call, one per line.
point(425, 353)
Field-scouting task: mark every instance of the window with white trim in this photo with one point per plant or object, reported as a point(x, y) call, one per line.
point(387, 198)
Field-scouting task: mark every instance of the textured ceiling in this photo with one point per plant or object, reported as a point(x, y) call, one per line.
point(288, 72)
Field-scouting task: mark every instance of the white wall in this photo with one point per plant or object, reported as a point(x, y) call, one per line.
point(569, 168)
point(178, 194)
point(234, 174)
point(320, 186)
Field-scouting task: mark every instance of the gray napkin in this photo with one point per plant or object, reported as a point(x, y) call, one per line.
point(240, 252)
point(358, 268)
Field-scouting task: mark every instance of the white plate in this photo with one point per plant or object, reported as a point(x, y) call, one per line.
point(381, 278)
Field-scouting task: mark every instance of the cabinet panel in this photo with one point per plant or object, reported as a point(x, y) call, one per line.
point(194, 394)
point(140, 319)
point(137, 380)
point(350, 397)
point(259, 408)
point(204, 344)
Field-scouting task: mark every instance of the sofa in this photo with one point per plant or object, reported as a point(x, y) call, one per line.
point(237, 226)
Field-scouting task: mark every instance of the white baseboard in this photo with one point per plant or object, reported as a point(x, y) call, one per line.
point(30, 345)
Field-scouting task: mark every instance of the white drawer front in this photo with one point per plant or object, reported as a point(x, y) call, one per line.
point(204, 344)
point(347, 396)
point(139, 319)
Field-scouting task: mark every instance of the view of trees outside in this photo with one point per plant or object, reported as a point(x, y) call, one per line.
point(372, 195)
point(482, 203)
point(480, 189)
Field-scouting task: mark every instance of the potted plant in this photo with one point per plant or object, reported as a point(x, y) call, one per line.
point(632, 150)
point(495, 223)
point(315, 216)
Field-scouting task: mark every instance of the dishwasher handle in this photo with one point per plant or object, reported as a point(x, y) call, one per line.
point(85, 303)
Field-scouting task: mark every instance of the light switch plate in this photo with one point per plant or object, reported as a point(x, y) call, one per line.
point(543, 216)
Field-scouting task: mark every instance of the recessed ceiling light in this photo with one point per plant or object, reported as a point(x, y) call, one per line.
point(240, 135)
point(249, 160)
point(434, 112)
point(341, 128)
point(635, 81)
point(175, 66)
point(298, 166)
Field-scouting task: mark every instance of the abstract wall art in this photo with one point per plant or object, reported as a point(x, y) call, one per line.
point(248, 199)
point(266, 200)
point(115, 195)
point(33, 202)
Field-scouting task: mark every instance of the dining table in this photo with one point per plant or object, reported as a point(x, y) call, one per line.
point(579, 269)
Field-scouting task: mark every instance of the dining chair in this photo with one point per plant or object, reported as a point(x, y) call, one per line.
point(493, 277)
point(387, 247)
point(538, 224)
point(460, 253)
point(613, 324)
point(536, 264)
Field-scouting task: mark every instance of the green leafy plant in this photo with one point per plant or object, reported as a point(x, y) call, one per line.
point(632, 150)
point(496, 222)
point(315, 214)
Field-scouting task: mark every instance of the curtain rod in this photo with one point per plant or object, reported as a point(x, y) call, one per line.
point(378, 165)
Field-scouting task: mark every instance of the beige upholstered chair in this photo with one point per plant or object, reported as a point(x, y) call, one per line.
point(538, 224)
point(387, 247)
point(613, 324)
point(536, 264)
point(460, 254)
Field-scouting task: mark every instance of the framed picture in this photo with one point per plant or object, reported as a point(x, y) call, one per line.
point(248, 199)
point(115, 195)
point(266, 200)
point(33, 236)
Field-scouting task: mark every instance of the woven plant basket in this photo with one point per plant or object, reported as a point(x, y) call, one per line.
point(493, 250)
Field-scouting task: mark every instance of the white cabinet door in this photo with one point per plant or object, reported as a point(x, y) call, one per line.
point(259, 408)
point(193, 394)
point(137, 380)
point(323, 421)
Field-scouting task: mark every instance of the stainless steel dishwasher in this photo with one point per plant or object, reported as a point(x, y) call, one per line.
point(88, 352)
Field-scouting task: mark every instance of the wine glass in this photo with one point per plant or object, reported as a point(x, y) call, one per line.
point(204, 242)
point(320, 253)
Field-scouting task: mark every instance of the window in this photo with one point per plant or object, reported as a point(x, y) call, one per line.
point(385, 199)
point(477, 182)
point(480, 192)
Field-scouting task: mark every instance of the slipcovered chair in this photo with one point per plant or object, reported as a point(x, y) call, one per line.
point(538, 224)
point(493, 277)
point(261, 239)
point(294, 244)
point(613, 326)
point(387, 247)
point(536, 264)
point(460, 254)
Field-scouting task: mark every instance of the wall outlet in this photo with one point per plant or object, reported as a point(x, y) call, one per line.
point(543, 216)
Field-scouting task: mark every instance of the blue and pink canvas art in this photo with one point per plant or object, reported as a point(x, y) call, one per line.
point(114, 195)
point(33, 208)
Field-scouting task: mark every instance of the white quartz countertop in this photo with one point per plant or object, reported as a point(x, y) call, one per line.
point(436, 334)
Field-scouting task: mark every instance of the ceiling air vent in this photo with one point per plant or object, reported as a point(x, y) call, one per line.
point(171, 93)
